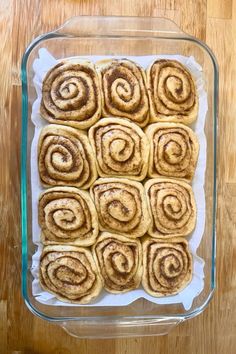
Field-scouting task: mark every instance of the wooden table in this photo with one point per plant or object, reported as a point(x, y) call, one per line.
point(213, 21)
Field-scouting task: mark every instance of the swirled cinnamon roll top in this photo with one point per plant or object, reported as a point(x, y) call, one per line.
point(65, 157)
point(71, 94)
point(67, 215)
point(124, 91)
point(172, 92)
point(70, 273)
point(121, 206)
point(121, 148)
point(119, 260)
point(172, 208)
point(167, 266)
point(173, 150)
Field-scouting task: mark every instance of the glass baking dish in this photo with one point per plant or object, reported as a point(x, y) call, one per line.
point(86, 35)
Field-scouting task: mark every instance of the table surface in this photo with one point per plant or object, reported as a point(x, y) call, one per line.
point(214, 331)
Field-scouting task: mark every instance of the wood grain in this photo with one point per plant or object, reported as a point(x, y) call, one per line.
point(219, 9)
point(20, 332)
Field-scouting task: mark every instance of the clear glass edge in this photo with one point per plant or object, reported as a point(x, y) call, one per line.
point(108, 319)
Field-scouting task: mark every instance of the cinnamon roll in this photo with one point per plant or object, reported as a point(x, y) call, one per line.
point(67, 215)
point(70, 273)
point(119, 261)
point(65, 157)
point(167, 266)
point(121, 206)
point(121, 148)
point(173, 150)
point(124, 92)
point(172, 208)
point(172, 92)
point(71, 94)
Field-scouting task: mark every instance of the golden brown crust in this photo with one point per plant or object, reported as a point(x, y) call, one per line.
point(121, 206)
point(121, 148)
point(65, 157)
point(174, 151)
point(67, 215)
point(124, 92)
point(70, 273)
point(71, 94)
point(172, 207)
point(172, 92)
point(119, 260)
point(167, 266)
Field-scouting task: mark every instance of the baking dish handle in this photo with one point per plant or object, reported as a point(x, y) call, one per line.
point(115, 329)
point(81, 26)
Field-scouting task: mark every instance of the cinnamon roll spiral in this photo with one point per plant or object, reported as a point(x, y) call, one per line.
point(172, 92)
point(71, 95)
point(172, 208)
point(121, 148)
point(121, 206)
point(65, 157)
point(173, 150)
point(167, 266)
point(119, 261)
point(67, 215)
point(70, 273)
point(124, 92)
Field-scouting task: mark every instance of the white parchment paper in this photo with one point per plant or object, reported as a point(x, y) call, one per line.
point(40, 66)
